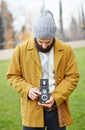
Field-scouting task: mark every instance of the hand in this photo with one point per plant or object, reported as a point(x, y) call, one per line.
point(48, 103)
point(34, 93)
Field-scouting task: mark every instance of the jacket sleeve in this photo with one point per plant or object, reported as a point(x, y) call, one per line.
point(69, 81)
point(14, 74)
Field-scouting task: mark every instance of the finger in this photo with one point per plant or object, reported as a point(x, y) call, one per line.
point(37, 92)
point(50, 100)
point(34, 92)
point(34, 97)
point(37, 88)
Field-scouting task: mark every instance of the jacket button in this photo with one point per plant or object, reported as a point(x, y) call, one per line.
point(59, 79)
point(37, 76)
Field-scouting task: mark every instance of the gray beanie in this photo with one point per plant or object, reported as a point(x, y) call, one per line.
point(45, 26)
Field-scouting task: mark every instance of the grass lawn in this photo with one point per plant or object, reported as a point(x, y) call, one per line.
point(10, 117)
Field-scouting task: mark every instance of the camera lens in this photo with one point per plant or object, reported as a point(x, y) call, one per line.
point(44, 97)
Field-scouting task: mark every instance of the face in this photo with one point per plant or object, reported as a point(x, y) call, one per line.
point(44, 43)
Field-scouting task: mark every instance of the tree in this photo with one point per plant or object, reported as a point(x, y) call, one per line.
point(81, 23)
point(73, 29)
point(62, 35)
point(7, 21)
point(25, 34)
point(1, 32)
point(83, 18)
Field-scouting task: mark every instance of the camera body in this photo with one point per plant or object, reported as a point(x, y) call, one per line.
point(44, 89)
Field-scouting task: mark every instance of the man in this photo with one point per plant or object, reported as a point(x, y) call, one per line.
point(39, 58)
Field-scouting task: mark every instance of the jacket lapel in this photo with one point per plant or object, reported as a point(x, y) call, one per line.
point(58, 52)
point(35, 57)
point(33, 52)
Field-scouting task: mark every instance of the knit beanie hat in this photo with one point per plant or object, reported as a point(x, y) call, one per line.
point(44, 26)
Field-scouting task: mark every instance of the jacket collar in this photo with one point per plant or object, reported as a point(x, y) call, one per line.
point(31, 44)
point(58, 46)
point(58, 49)
point(58, 52)
point(33, 52)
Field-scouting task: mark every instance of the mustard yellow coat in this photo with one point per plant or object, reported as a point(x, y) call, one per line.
point(25, 71)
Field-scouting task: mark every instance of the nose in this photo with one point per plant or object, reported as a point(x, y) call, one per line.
point(44, 45)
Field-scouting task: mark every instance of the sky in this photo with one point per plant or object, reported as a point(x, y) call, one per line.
point(69, 7)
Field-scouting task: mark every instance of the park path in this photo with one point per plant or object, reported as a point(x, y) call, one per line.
point(7, 53)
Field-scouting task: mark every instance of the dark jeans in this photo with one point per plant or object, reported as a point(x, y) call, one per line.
point(50, 121)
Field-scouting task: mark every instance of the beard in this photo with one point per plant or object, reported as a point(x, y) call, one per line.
point(40, 48)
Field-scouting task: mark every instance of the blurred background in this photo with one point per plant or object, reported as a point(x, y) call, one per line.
point(16, 19)
point(16, 22)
